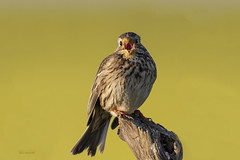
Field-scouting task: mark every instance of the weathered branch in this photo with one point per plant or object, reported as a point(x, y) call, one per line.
point(149, 141)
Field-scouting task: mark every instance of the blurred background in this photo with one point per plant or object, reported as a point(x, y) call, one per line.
point(50, 52)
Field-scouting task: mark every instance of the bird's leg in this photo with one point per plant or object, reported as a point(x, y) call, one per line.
point(139, 114)
point(122, 113)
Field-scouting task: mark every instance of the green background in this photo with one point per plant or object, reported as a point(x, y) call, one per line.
point(50, 52)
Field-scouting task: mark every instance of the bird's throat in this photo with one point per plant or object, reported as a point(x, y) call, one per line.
point(128, 54)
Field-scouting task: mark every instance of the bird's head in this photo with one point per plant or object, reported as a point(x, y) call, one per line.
point(127, 43)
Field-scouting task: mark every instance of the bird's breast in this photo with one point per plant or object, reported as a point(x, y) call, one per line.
point(128, 84)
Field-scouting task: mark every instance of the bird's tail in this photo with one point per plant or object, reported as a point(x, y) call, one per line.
point(95, 134)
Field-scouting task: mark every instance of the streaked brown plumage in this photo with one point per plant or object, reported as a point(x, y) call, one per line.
point(123, 82)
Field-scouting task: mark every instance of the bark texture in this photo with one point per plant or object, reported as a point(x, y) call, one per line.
point(149, 141)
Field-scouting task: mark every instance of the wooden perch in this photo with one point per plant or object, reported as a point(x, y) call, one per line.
point(149, 141)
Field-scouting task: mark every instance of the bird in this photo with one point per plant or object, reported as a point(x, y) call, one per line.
point(123, 82)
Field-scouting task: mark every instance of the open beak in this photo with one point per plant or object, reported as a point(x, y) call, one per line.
point(129, 45)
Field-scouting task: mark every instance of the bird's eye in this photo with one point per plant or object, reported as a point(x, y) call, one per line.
point(120, 43)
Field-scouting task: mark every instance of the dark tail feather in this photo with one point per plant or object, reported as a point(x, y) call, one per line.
point(115, 123)
point(94, 135)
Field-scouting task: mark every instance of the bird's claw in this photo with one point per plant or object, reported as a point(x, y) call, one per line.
point(121, 113)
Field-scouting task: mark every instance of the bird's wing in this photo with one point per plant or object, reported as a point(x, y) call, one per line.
point(96, 88)
point(93, 100)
